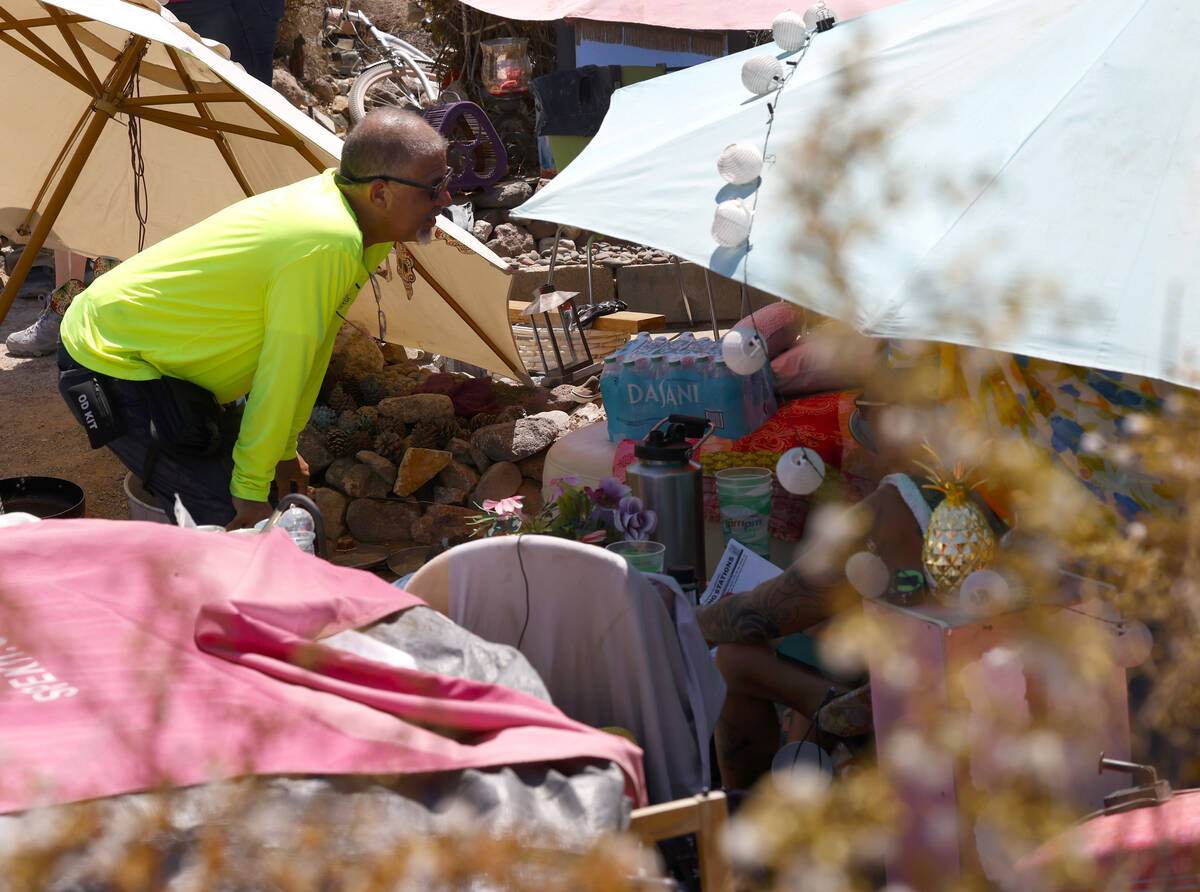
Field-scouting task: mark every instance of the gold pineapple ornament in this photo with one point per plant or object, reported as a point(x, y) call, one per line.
point(958, 540)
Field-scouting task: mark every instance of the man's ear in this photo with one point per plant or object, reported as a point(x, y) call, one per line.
point(378, 194)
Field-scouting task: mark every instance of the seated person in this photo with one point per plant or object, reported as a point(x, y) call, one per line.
point(746, 626)
point(1068, 415)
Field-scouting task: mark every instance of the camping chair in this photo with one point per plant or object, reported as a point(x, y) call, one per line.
point(705, 815)
point(612, 648)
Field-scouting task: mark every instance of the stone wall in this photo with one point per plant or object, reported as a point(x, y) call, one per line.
point(397, 466)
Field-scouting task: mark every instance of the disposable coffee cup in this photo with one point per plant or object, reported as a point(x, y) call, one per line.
point(641, 554)
point(744, 496)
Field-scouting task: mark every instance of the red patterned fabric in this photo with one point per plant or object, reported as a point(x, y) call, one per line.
point(1156, 847)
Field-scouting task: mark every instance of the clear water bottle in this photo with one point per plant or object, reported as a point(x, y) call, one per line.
point(300, 526)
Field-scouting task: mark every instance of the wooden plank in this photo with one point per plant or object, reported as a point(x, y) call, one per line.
point(625, 320)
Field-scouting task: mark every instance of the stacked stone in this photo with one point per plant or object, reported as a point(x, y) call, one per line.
point(405, 469)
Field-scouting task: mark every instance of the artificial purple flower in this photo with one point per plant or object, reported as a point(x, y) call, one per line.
point(613, 489)
point(606, 517)
point(633, 521)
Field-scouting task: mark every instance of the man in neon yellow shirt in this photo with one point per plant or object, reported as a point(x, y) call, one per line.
point(245, 303)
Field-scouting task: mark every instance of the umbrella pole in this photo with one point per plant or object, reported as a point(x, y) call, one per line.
point(114, 88)
point(712, 307)
point(687, 304)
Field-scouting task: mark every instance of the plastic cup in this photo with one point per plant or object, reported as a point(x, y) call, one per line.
point(641, 554)
point(744, 495)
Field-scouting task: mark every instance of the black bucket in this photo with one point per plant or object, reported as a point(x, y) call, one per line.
point(44, 497)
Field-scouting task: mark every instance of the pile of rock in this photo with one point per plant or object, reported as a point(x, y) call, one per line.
point(530, 243)
point(390, 465)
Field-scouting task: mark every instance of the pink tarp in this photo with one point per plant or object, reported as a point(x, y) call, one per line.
point(137, 654)
point(706, 15)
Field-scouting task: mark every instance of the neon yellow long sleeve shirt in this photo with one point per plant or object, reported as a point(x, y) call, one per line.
point(244, 303)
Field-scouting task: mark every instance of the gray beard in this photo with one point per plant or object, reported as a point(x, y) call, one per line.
point(425, 236)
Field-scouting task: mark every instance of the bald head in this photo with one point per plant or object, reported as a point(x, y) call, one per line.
point(386, 141)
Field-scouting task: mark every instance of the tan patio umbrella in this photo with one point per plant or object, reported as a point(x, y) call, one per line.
point(122, 127)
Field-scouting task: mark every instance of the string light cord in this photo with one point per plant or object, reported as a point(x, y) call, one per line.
point(773, 105)
point(141, 196)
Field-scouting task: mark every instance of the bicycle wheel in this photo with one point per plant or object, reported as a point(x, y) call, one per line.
point(397, 82)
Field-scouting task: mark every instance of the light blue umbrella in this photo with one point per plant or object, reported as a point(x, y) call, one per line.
point(1068, 131)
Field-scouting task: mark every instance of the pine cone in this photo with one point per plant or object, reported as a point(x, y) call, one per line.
point(483, 419)
point(512, 413)
point(339, 400)
point(322, 417)
point(432, 434)
point(391, 425)
point(360, 440)
point(337, 441)
point(370, 390)
point(368, 419)
point(348, 420)
point(390, 445)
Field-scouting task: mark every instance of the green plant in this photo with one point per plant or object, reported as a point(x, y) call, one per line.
point(606, 514)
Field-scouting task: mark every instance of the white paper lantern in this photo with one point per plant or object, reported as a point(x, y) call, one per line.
point(800, 471)
point(804, 762)
point(731, 222)
point(819, 17)
point(762, 74)
point(868, 574)
point(1131, 644)
point(740, 163)
point(744, 350)
point(985, 591)
point(789, 31)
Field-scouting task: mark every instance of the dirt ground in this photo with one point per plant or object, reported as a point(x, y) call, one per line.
point(38, 434)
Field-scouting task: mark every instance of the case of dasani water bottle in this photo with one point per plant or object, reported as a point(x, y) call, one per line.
point(651, 378)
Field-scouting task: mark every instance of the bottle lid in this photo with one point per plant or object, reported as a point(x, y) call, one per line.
point(663, 446)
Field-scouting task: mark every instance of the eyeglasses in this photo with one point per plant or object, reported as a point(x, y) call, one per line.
point(434, 189)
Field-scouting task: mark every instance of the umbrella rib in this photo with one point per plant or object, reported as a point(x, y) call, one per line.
point(114, 85)
point(71, 19)
point(52, 62)
point(202, 110)
point(76, 50)
point(462, 314)
point(54, 168)
point(200, 126)
point(183, 98)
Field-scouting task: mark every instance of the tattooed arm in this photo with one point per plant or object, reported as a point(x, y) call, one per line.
point(798, 599)
point(788, 603)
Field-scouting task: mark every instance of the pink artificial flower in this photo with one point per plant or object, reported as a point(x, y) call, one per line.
point(559, 485)
point(501, 507)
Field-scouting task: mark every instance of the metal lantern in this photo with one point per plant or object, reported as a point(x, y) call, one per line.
point(573, 356)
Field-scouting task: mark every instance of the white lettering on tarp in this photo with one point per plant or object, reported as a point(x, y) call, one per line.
point(27, 676)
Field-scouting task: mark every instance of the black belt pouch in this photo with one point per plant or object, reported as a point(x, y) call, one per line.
point(184, 417)
point(91, 405)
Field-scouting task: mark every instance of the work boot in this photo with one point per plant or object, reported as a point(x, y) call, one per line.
point(41, 338)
